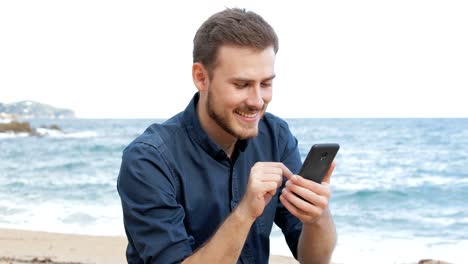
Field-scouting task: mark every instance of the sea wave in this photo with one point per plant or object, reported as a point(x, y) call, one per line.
point(51, 133)
point(40, 131)
point(381, 247)
point(71, 217)
point(60, 134)
point(350, 183)
point(5, 120)
point(82, 134)
point(6, 135)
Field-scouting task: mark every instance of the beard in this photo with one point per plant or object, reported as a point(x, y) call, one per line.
point(222, 120)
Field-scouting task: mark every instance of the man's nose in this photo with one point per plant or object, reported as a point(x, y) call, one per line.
point(255, 99)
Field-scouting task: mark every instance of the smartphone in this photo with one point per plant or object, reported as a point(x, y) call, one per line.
point(318, 161)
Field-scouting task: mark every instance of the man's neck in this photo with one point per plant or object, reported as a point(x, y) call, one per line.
point(225, 140)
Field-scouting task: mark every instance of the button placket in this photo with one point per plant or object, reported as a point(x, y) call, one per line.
point(234, 188)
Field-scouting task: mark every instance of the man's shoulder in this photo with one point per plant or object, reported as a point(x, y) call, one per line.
point(160, 134)
point(274, 123)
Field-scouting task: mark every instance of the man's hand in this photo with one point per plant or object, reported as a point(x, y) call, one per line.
point(265, 178)
point(314, 196)
point(226, 244)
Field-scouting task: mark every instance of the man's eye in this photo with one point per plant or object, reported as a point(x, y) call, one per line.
point(241, 85)
point(268, 84)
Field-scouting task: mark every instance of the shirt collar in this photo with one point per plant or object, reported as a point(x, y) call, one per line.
point(196, 132)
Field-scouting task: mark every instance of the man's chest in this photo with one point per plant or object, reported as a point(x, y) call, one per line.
point(210, 190)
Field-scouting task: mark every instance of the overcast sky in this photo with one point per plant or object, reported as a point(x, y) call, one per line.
point(132, 59)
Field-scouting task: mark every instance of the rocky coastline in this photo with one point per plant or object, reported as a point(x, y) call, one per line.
point(17, 127)
point(14, 116)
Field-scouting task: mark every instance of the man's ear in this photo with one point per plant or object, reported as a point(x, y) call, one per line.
point(200, 76)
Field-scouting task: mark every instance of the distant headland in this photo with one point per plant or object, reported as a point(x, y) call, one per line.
point(33, 110)
point(13, 116)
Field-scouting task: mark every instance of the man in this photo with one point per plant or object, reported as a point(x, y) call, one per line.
point(206, 185)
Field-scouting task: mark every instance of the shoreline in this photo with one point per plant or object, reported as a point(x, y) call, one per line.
point(24, 246)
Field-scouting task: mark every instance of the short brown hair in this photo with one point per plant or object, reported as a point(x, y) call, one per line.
point(233, 26)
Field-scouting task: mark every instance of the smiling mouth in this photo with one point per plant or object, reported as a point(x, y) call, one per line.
point(246, 114)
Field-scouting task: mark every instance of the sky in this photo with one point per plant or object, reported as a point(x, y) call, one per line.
point(132, 59)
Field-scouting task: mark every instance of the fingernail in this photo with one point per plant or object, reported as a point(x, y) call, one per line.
point(285, 191)
point(294, 178)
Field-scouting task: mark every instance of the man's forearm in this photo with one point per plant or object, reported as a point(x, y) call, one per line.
point(317, 240)
point(226, 244)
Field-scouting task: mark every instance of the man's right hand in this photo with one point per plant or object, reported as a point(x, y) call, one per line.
point(264, 180)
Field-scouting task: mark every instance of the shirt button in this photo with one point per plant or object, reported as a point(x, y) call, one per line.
point(233, 205)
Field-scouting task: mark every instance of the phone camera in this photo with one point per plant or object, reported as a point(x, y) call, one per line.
point(324, 154)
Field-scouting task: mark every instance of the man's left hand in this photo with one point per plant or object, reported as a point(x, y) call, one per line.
point(314, 196)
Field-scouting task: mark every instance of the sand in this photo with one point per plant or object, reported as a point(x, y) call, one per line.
point(18, 246)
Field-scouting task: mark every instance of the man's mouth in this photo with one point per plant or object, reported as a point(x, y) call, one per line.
point(247, 114)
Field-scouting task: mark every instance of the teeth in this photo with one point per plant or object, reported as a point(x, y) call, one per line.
point(247, 115)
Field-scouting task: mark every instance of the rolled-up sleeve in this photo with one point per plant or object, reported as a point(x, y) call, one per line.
point(153, 218)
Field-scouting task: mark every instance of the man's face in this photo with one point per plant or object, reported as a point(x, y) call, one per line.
point(240, 89)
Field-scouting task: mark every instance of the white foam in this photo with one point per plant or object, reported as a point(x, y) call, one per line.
point(45, 132)
point(100, 178)
point(48, 132)
point(434, 180)
point(12, 135)
point(5, 120)
point(278, 246)
point(383, 248)
point(71, 218)
point(423, 217)
point(82, 134)
point(369, 246)
point(359, 248)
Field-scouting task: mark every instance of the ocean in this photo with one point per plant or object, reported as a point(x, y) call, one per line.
point(399, 191)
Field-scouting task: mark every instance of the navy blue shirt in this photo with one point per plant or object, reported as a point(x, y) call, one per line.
point(177, 186)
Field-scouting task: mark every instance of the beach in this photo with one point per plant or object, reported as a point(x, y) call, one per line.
point(19, 246)
point(22, 246)
point(26, 245)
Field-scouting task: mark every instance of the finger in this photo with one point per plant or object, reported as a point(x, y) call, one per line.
point(301, 205)
point(278, 179)
point(269, 169)
point(264, 167)
point(320, 189)
point(269, 187)
point(329, 173)
point(285, 171)
point(260, 170)
point(265, 189)
point(291, 208)
point(309, 196)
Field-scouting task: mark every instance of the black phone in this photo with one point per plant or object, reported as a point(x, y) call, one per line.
point(318, 161)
